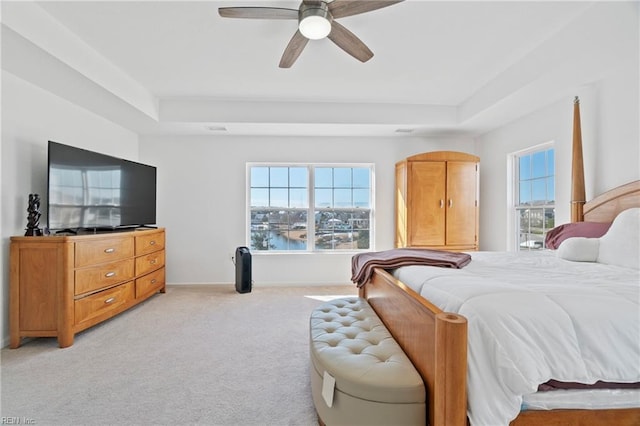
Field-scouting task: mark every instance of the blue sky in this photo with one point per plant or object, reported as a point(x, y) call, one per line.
point(537, 178)
point(287, 186)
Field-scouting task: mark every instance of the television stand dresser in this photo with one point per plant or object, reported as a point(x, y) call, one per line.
point(61, 285)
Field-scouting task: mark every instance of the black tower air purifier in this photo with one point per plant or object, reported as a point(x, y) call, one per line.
point(243, 270)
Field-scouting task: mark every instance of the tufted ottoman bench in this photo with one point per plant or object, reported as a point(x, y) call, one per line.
point(375, 383)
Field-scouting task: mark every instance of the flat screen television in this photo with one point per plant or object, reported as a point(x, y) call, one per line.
point(89, 191)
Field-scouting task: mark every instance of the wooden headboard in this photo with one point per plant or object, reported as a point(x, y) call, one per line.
point(605, 207)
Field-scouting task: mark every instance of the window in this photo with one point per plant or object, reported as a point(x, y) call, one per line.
point(535, 197)
point(310, 207)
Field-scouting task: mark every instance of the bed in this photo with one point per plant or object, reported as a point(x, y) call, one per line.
point(437, 342)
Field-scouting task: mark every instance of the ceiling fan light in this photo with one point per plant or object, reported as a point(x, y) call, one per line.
point(315, 22)
point(315, 27)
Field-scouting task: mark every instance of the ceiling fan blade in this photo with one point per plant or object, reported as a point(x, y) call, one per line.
point(342, 8)
point(294, 49)
point(258, 12)
point(348, 42)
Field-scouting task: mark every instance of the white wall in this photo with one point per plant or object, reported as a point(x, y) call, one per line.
point(30, 118)
point(609, 112)
point(202, 201)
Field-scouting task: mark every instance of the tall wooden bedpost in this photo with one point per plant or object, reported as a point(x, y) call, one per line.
point(578, 196)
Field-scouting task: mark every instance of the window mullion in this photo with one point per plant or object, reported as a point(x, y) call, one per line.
point(311, 217)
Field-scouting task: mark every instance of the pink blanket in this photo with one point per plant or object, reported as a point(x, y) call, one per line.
point(362, 264)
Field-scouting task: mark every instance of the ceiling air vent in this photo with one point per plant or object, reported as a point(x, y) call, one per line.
point(216, 128)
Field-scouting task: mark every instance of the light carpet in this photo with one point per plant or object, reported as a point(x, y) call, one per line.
point(202, 355)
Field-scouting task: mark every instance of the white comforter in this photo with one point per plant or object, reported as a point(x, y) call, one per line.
point(533, 317)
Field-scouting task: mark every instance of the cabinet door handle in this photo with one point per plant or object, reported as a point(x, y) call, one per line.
point(441, 203)
point(450, 202)
point(109, 250)
point(110, 300)
point(110, 274)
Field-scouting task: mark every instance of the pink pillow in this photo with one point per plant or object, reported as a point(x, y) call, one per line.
point(578, 229)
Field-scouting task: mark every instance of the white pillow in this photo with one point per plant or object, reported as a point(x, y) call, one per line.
point(621, 244)
point(579, 249)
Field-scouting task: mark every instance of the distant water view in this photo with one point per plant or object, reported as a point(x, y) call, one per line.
point(333, 238)
point(280, 242)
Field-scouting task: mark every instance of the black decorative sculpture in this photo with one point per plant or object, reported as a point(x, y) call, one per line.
point(33, 219)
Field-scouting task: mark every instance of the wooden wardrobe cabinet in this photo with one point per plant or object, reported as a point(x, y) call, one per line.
point(61, 285)
point(437, 201)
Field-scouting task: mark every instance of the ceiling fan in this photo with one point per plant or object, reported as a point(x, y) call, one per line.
point(316, 20)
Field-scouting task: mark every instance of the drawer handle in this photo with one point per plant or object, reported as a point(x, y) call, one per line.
point(152, 243)
point(110, 300)
point(153, 261)
point(110, 274)
point(109, 250)
point(153, 281)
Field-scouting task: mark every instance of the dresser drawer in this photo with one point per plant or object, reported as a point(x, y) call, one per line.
point(150, 283)
point(103, 303)
point(149, 243)
point(149, 263)
point(104, 275)
point(101, 251)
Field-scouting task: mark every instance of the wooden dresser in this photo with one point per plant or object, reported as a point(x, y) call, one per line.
point(437, 201)
point(61, 285)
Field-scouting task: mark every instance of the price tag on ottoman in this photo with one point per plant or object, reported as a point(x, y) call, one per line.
point(328, 386)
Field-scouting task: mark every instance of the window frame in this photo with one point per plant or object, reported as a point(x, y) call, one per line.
point(515, 205)
point(311, 208)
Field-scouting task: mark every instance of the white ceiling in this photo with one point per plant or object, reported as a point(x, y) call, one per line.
point(440, 67)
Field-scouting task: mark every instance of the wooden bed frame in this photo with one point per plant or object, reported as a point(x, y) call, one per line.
point(436, 341)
